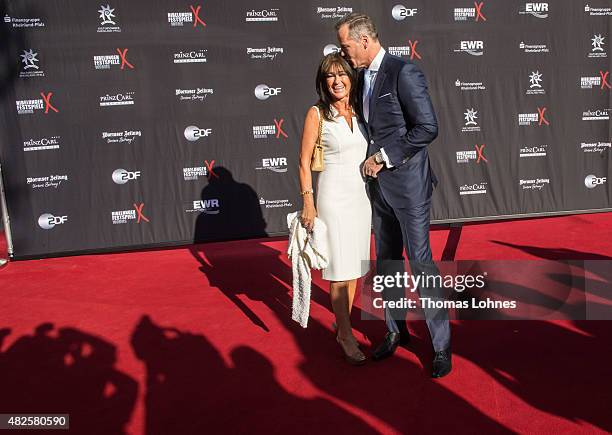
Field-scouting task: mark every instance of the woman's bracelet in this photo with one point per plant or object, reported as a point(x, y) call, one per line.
point(307, 192)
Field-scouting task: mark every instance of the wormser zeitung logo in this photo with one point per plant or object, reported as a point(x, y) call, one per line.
point(122, 176)
point(194, 133)
point(108, 19)
point(273, 164)
point(193, 56)
point(263, 92)
point(264, 53)
point(333, 13)
point(121, 99)
point(534, 183)
point(196, 94)
point(595, 147)
point(48, 221)
point(46, 182)
point(538, 10)
point(263, 15)
point(125, 136)
point(471, 47)
point(470, 14)
point(45, 143)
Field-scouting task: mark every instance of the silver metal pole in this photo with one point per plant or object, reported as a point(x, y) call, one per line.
point(5, 216)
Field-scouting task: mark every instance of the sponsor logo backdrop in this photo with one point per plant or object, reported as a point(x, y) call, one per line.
point(128, 124)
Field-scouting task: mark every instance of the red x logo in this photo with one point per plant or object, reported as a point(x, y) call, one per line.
point(479, 11)
point(196, 16)
point(541, 111)
point(413, 51)
point(209, 166)
point(48, 105)
point(604, 79)
point(279, 128)
point(138, 208)
point(124, 61)
point(479, 150)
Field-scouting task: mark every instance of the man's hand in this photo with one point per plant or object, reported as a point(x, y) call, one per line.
point(370, 168)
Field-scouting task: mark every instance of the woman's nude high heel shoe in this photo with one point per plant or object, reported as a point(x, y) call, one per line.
point(354, 359)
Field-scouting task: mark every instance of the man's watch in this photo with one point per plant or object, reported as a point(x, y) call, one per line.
point(378, 158)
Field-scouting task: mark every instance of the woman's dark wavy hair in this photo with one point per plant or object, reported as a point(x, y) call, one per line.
point(325, 99)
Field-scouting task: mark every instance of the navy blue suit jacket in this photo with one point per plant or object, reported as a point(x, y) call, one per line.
point(403, 121)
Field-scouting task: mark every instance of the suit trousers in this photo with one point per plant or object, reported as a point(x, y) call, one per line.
point(396, 229)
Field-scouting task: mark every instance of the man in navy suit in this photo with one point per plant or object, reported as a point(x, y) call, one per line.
point(401, 122)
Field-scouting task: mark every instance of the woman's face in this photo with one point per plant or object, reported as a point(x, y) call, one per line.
point(338, 83)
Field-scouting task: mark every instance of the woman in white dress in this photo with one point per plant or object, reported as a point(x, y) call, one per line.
point(341, 199)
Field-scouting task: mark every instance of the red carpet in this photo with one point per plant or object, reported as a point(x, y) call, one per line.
point(182, 341)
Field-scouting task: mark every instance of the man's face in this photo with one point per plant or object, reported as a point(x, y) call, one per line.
point(353, 51)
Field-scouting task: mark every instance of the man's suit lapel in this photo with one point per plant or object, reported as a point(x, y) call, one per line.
point(359, 101)
point(380, 78)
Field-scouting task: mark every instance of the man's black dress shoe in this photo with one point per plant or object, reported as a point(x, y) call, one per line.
point(390, 343)
point(442, 363)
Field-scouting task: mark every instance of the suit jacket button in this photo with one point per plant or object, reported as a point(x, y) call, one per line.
point(372, 142)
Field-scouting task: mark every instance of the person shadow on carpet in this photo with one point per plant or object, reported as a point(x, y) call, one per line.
point(190, 389)
point(66, 371)
point(253, 271)
point(230, 210)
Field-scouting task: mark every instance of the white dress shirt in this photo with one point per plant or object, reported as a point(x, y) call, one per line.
point(369, 81)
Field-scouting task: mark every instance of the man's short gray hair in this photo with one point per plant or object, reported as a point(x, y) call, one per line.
point(358, 24)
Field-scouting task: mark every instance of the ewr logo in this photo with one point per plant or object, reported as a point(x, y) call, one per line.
point(263, 92)
point(121, 176)
point(207, 206)
point(47, 221)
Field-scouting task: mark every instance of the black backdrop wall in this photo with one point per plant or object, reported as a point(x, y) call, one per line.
point(138, 123)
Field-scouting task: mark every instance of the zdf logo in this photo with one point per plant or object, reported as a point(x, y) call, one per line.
point(400, 12)
point(121, 176)
point(193, 133)
point(591, 181)
point(47, 221)
point(263, 92)
point(328, 49)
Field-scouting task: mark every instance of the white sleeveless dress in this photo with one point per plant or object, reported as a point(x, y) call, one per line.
point(342, 202)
